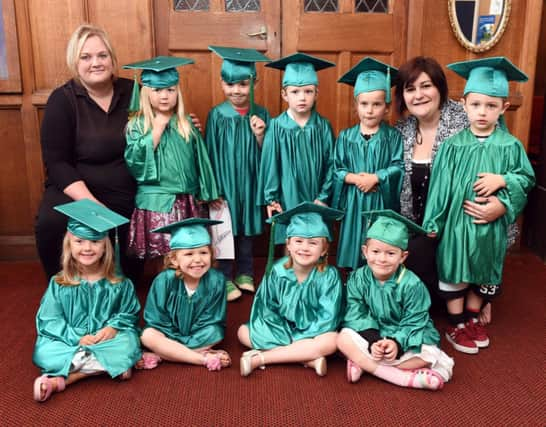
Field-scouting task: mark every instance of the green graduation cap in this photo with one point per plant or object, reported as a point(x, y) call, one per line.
point(488, 76)
point(159, 72)
point(390, 227)
point(300, 69)
point(90, 221)
point(370, 75)
point(305, 220)
point(238, 65)
point(189, 233)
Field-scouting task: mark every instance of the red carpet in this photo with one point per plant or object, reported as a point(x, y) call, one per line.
point(502, 386)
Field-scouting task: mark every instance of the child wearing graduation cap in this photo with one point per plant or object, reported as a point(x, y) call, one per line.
point(234, 136)
point(297, 309)
point(167, 157)
point(368, 159)
point(185, 312)
point(387, 330)
point(297, 153)
point(71, 344)
point(481, 161)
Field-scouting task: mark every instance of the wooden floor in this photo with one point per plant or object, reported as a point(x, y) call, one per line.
point(504, 385)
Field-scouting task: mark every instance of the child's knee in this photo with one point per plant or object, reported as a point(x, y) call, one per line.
point(243, 334)
point(150, 336)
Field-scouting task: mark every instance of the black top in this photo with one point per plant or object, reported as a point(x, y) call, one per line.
point(80, 141)
point(420, 179)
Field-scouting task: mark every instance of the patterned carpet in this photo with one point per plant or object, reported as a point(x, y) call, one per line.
point(502, 386)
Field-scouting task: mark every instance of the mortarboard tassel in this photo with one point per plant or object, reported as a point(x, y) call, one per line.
point(388, 88)
point(251, 96)
point(134, 104)
point(119, 270)
point(271, 249)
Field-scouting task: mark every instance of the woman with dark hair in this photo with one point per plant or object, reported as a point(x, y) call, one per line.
point(429, 118)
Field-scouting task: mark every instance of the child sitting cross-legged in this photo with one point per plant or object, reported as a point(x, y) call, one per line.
point(387, 330)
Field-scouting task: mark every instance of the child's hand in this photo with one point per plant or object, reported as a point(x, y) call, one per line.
point(272, 208)
point(217, 204)
point(318, 202)
point(88, 340)
point(366, 182)
point(196, 122)
point(432, 235)
point(488, 183)
point(257, 126)
point(389, 349)
point(105, 334)
point(377, 350)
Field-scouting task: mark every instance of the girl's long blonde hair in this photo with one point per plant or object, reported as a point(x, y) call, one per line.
point(169, 262)
point(322, 262)
point(143, 118)
point(70, 272)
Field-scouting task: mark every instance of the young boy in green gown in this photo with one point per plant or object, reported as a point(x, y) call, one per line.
point(297, 154)
point(234, 136)
point(368, 159)
point(481, 161)
point(387, 330)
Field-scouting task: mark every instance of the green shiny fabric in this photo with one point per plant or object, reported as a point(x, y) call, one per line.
point(284, 310)
point(397, 308)
point(297, 164)
point(67, 313)
point(83, 231)
point(382, 154)
point(175, 167)
point(195, 321)
point(235, 157)
point(468, 252)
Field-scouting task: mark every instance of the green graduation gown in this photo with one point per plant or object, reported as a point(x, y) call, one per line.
point(195, 321)
point(235, 157)
point(176, 166)
point(468, 252)
point(397, 309)
point(297, 164)
point(382, 154)
point(67, 313)
point(284, 310)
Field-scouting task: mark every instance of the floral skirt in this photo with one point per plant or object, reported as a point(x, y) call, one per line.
point(145, 244)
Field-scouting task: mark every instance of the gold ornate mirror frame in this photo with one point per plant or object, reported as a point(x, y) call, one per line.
point(482, 47)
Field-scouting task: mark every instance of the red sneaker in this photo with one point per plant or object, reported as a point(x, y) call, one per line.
point(477, 333)
point(460, 341)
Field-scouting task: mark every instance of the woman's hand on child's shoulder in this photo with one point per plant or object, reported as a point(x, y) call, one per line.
point(196, 122)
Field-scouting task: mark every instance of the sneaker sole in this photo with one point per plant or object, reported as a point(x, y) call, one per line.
point(246, 287)
point(233, 295)
point(482, 344)
point(461, 348)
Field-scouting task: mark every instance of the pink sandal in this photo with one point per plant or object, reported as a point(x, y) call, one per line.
point(354, 372)
point(44, 379)
point(422, 378)
point(149, 360)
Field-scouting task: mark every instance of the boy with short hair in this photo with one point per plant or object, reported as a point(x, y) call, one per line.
point(297, 154)
point(234, 136)
point(471, 253)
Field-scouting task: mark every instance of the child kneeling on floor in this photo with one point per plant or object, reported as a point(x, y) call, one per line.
point(297, 309)
point(185, 312)
point(87, 320)
point(387, 330)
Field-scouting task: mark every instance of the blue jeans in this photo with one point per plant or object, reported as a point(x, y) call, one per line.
point(243, 258)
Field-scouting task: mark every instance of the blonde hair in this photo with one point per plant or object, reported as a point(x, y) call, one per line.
point(143, 118)
point(322, 262)
point(75, 46)
point(170, 262)
point(70, 272)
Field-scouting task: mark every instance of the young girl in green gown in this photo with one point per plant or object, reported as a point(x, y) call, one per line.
point(297, 309)
point(185, 312)
point(71, 343)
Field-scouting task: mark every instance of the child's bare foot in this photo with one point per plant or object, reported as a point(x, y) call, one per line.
point(485, 314)
point(148, 360)
point(45, 386)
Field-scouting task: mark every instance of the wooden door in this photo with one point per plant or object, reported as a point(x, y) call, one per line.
point(188, 27)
